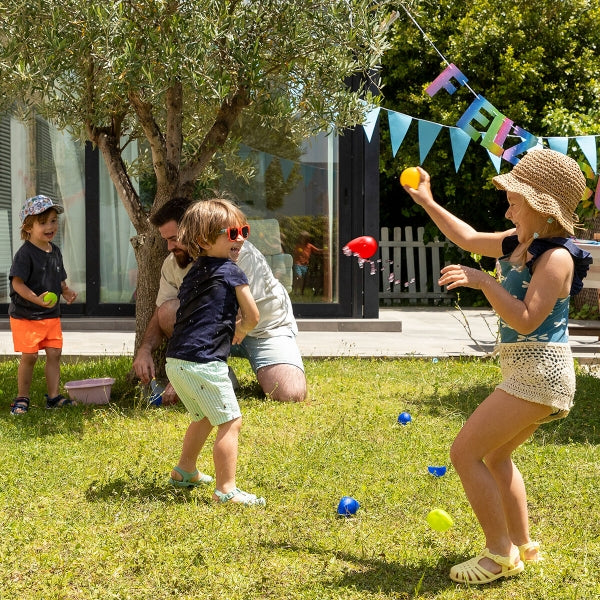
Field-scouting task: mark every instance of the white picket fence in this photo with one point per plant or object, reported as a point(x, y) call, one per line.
point(410, 268)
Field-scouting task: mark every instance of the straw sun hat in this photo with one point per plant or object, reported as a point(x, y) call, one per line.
point(550, 182)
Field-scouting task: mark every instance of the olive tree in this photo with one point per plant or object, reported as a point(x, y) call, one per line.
point(179, 75)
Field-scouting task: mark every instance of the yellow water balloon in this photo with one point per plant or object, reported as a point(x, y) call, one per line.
point(410, 177)
point(439, 520)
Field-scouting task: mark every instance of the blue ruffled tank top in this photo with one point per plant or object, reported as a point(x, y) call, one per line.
point(516, 280)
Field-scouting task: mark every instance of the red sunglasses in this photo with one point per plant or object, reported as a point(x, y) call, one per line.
point(234, 232)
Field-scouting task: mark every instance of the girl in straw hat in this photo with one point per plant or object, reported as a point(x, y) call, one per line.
point(539, 269)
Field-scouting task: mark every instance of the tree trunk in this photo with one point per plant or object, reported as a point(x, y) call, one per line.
point(150, 251)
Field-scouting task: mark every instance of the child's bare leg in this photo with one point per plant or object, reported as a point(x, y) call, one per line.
point(498, 420)
point(25, 373)
point(512, 489)
point(225, 452)
point(193, 442)
point(52, 371)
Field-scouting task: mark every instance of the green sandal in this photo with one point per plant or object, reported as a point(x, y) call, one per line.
point(248, 499)
point(186, 481)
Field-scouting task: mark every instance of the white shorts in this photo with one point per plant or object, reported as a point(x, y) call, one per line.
point(539, 372)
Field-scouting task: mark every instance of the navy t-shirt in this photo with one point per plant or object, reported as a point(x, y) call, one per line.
point(41, 271)
point(207, 312)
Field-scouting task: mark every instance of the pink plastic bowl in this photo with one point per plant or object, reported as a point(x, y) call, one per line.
point(90, 391)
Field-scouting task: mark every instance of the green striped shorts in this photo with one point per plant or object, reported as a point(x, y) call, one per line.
point(205, 390)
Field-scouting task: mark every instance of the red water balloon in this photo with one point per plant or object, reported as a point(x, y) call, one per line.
point(364, 246)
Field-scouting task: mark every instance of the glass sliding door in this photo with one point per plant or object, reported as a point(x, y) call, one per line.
point(292, 206)
point(36, 158)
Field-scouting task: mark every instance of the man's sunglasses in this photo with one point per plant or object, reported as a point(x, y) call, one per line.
point(234, 232)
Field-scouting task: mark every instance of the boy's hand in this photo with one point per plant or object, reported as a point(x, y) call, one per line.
point(49, 299)
point(69, 295)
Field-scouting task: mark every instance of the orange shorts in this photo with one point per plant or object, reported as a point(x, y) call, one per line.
point(31, 336)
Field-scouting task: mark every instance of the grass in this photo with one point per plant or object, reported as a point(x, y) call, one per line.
point(86, 511)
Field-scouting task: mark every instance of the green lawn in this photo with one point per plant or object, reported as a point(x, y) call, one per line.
point(86, 510)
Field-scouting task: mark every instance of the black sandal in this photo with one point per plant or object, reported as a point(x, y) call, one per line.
point(57, 402)
point(20, 406)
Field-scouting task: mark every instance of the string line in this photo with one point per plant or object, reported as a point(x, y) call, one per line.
point(433, 45)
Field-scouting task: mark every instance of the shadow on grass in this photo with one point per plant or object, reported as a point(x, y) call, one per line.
point(384, 576)
point(39, 422)
point(582, 425)
point(141, 487)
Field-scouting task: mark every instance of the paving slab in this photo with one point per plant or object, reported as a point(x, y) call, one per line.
point(399, 332)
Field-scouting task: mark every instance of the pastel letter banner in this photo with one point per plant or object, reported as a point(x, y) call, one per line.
point(529, 141)
point(370, 121)
point(399, 125)
point(500, 137)
point(587, 143)
point(460, 141)
point(497, 131)
point(443, 81)
point(560, 144)
point(428, 133)
point(473, 113)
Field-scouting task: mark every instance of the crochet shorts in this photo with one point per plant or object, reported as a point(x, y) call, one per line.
point(539, 372)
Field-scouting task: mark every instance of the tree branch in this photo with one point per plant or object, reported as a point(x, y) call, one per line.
point(154, 136)
point(216, 137)
point(174, 133)
point(109, 145)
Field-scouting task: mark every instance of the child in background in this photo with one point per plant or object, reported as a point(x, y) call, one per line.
point(302, 253)
point(37, 280)
point(206, 325)
point(540, 268)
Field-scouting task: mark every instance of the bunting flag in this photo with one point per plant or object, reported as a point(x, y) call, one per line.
point(460, 141)
point(286, 168)
point(428, 133)
point(370, 122)
point(496, 160)
point(587, 143)
point(559, 144)
point(399, 125)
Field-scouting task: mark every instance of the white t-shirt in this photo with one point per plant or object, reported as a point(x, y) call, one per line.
point(272, 300)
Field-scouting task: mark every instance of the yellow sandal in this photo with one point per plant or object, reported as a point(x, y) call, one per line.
point(525, 548)
point(473, 573)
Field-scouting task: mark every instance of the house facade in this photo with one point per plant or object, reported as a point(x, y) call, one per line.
point(328, 190)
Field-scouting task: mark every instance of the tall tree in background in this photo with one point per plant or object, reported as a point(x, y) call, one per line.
point(535, 61)
point(179, 75)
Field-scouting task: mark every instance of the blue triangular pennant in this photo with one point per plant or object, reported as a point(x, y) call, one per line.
point(428, 133)
point(460, 141)
point(370, 122)
point(496, 160)
point(587, 143)
point(308, 172)
point(560, 144)
point(264, 160)
point(399, 125)
point(286, 167)
point(244, 151)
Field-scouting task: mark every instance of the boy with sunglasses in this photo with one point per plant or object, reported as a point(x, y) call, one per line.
point(271, 347)
point(207, 323)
